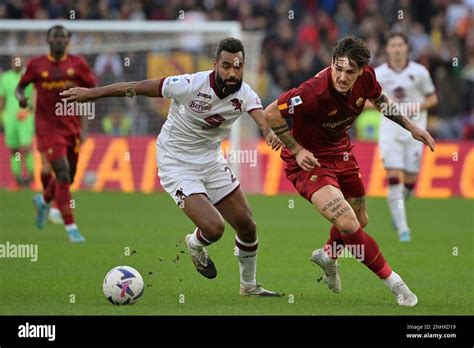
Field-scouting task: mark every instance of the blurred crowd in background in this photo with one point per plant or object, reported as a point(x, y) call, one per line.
point(298, 37)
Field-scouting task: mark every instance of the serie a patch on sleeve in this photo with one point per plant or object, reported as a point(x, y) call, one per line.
point(296, 100)
point(172, 80)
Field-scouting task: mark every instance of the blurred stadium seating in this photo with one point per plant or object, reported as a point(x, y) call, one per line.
point(298, 39)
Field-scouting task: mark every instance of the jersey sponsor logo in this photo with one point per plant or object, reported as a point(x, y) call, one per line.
point(200, 106)
point(336, 124)
point(61, 84)
point(204, 95)
point(237, 104)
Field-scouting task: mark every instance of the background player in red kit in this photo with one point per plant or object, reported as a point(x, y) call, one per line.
point(320, 162)
point(58, 134)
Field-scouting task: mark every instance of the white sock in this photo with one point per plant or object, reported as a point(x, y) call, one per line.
point(195, 242)
point(247, 262)
point(406, 193)
point(392, 279)
point(396, 203)
point(70, 227)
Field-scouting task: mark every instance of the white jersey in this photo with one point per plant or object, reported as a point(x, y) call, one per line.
point(408, 88)
point(200, 117)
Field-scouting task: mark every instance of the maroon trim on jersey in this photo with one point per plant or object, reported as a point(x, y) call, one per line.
point(227, 195)
point(254, 109)
point(160, 87)
point(401, 70)
point(212, 82)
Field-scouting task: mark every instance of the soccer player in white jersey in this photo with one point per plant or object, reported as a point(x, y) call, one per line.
point(191, 166)
point(409, 84)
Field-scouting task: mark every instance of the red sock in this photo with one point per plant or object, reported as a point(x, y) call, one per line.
point(45, 178)
point(49, 190)
point(63, 198)
point(370, 256)
point(335, 245)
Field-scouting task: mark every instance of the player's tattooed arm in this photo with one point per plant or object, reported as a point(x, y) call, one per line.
point(149, 88)
point(391, 110)
point(304, 158)
point(280, 128)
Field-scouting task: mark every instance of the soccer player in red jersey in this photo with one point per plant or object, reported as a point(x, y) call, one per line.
point(58, 129)
point(320, 162)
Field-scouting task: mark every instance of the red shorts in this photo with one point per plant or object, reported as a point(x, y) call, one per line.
point(56, 146)
point(344, 175)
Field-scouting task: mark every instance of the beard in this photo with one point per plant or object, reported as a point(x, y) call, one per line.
point(225, 88)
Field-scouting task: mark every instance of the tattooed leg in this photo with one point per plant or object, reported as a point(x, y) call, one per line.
point(330, 202)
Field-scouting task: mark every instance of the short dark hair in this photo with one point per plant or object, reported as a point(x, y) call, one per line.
point(353, 48)
point(397, 34)
point(58, 27)
point(231, 45)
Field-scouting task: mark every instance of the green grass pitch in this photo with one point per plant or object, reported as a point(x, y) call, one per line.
point(437, 264)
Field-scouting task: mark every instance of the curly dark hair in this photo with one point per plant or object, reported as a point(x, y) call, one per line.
point(354, 48)
point(231, 45)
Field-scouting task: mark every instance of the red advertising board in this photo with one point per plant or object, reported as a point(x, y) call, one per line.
point(128, 165)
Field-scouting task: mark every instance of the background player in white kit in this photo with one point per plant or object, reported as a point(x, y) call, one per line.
point(191, 166)
point(409, 85)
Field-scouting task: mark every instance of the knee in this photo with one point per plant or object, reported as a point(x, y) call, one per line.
point(213, 228)
point(347, 224)
point(363, 219)
point(247, 229)
point(63, 176)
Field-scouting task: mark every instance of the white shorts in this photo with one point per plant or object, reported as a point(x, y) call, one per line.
point(181, 179)
point(401, 154)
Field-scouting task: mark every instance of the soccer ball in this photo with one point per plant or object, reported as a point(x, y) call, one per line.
point(123, 285)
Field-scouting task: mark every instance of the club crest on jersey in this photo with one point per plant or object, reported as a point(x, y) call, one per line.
point(200, 106)
point(360, 101)
point(237, 104)
point(70, 72)
point(44, 74)
point(333, 112)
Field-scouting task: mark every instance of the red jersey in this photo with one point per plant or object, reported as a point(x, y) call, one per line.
point(50, 77)
point(322, 116)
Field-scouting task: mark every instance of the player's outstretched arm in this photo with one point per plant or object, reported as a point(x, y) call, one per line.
point(270, 137)
point(277, 123)
point(149, 88)
point(391, 111)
